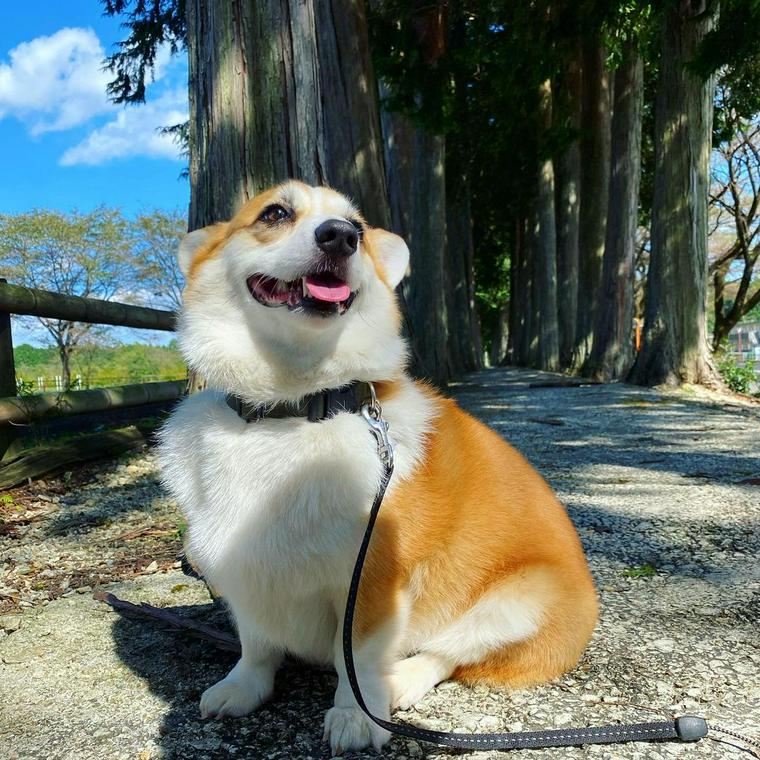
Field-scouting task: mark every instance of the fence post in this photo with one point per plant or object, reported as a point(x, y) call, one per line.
point(7, 375)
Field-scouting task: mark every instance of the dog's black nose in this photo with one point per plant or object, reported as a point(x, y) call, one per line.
point(336, 237)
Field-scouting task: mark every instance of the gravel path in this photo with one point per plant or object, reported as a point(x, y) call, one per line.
point(664, 489)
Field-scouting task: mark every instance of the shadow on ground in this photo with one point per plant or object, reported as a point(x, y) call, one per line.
point(616, 456)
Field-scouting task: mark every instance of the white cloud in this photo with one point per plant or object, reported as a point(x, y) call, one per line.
point(55, 83)
point(133, 131)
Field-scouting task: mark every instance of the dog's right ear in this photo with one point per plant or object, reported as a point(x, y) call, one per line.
point(392, 252)
point(194, 242)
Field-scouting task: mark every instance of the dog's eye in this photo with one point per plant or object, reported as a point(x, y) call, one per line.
point(274, 213)
point(358, 226)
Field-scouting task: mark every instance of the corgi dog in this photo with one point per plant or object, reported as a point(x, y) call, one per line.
point(475, 571)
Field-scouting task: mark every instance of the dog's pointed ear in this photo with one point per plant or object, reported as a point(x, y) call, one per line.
point(189, 246)
point(196, 241)
point(391, 252)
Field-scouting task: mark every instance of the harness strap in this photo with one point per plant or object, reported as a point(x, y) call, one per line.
point(686, 728)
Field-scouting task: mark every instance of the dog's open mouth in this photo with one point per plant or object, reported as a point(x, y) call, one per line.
point(324, 294)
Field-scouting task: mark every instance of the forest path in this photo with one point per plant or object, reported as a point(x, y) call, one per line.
point(664, 490)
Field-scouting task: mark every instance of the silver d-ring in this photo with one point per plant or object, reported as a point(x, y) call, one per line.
point(374, 405)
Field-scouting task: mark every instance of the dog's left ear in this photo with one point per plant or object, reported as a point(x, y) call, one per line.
point(392, 253)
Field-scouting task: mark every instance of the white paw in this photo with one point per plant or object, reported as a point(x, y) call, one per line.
point(236, 695)
point(413, 678)
point(348, 728)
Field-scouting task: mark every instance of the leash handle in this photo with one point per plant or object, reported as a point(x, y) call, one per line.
point(687, 728)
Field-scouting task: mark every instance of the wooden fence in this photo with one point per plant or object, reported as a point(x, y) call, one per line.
point(24, 410)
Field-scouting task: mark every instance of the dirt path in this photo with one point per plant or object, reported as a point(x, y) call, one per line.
point(665, 491)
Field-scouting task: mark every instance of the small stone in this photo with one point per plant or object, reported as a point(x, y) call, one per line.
point(664, 645)
point(151, 568)
point(562, 719)
point(84, 589)
point(10, 623)
point(413, 748)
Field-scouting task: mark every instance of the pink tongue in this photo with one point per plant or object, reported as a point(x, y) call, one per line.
point(332, 291)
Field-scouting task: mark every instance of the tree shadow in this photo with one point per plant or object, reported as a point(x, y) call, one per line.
point(109, 503)
point(178, 668)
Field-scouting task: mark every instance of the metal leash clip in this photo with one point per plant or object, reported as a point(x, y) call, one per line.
point(373, 414)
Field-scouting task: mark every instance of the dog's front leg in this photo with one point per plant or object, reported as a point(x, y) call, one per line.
point(249, 683)
point(347, 727)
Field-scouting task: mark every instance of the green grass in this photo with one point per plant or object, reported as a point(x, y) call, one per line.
point(645, 571)
point(100, 366)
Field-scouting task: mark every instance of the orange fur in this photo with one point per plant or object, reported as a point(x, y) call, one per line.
point(476, 516)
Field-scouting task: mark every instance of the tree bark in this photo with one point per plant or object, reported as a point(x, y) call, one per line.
point(520, 292)
point(674, 346)
point(281, 89)
point(463, 322)
point(612, 351)
point(544, 260)
point(568, 206)
point(595, 172)
point(415, 161)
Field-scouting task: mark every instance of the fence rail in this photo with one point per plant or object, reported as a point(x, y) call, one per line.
point(15, 299)
point(26, 409)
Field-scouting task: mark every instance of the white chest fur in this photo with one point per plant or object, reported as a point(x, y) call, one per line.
point(276, 508)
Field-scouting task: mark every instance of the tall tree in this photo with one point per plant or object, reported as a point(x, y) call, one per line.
point(544, 254)
point(568, 206)
point(674, 348)
point(274, 93)
point(415, 158)
point(612, 350)
point(595, 172)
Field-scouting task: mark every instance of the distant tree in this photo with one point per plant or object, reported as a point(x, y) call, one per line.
point(76, 254)
point(155, 240)
point(735, 212)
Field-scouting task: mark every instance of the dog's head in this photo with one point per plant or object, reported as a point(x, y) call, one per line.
point(294, 294)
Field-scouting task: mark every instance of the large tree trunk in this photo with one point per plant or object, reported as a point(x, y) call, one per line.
point(595, 172)
point(612, 352)
point(568, 205)
point(674, 348)
point(520, 291)
point(417, 186)
point(544, 264)
point(415, 160)
point(281, 89)
point(463, 322)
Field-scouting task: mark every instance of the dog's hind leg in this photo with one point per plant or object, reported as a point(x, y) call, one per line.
point(248, 684)
point(415, 676)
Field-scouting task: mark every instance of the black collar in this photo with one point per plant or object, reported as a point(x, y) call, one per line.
point(315, 407)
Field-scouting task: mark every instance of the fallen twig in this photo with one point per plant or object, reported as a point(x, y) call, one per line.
point(218, 638)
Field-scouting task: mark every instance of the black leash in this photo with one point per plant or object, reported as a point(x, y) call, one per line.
point(687, 728)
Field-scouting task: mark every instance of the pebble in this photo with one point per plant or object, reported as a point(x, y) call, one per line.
point(10, 623)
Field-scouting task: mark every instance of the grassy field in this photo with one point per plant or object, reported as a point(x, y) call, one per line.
point(99, 366)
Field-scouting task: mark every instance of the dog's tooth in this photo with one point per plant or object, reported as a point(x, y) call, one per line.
point(304, 289)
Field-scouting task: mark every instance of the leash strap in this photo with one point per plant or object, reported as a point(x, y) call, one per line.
point(686, 728)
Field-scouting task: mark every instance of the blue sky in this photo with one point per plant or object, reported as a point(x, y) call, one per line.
point(63, 144)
